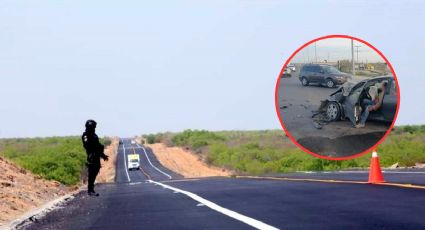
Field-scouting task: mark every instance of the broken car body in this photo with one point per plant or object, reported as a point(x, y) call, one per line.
point(346, 101)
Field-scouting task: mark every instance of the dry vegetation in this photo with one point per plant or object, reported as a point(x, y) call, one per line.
point(107, 172)
point(185, 162)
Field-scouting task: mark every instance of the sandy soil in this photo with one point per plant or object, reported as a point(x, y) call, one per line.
point(21, 191)
point(185, 162)
point(107, 172)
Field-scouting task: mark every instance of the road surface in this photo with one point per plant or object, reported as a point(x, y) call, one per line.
point(150, 199)
point(335, 139)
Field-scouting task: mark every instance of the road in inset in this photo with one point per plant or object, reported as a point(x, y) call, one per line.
point(335, 139)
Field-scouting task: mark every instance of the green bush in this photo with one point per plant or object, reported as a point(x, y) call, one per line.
point(107, 141)
point(195, 139)
point(269, 151)
point(54, 158)
point(150, 138)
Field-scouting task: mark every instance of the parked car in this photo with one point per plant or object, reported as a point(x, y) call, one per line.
point(286, 72)
point(346, 101)
point(322, 74)
point(292, 67)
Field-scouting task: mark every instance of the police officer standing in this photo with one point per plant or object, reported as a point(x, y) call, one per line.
point(94, 150)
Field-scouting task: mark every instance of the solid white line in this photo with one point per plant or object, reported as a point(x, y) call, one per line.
point(147, 157)
point(125, 163)
point(245, 219)
point(360, 172)
point(391, 172)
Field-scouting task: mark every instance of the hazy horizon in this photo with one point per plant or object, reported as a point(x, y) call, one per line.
point(146, 67)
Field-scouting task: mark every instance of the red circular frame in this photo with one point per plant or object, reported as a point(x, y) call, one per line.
point(289, 134)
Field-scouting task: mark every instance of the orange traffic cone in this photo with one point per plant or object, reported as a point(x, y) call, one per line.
point(375, 173)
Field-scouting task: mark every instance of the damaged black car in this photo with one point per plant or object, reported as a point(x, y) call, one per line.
point(346, 101)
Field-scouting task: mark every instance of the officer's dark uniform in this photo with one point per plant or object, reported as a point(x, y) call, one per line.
point(94, 150)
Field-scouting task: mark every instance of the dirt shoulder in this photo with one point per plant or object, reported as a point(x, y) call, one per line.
point(107, 172)
point(21, 191)
point(185, 162)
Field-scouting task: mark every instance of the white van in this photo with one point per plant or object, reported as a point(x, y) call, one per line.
point(133, 161)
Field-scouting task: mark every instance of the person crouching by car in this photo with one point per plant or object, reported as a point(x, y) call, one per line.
point(376, 94)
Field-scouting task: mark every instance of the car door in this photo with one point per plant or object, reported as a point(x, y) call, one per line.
point(351, 102)
point(307, 72)
point(315, 73)
point(389, 103)
point(321, 75)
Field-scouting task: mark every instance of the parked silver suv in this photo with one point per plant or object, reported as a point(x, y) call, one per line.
point(323, 75)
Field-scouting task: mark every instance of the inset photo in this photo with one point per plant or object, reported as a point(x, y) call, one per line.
point(337, 97)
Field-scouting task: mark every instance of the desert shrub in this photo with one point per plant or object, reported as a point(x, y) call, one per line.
point(55, 158)
point(269, 151)
point(195, 138)
point(150, 138)
point(107, 141)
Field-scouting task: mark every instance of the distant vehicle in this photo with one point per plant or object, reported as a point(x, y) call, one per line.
point(286, 72)
point(292, 67)
point(322, 74)
point(133, 161)
point(133, 142)
point(346, 102)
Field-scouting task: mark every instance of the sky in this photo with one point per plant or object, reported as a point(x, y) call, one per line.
point(141, 67)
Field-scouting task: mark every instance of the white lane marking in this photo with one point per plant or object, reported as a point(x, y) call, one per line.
point(245, 219)
point(134, 148)
point(360, 172)
point(135, 183)
point(390, 172)
point(125, 162)
point(147, 157)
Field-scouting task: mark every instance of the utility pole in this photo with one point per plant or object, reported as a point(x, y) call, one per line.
point(315, 51)
point(352, 57)
point(358, 53)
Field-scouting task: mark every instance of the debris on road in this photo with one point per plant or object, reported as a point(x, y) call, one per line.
point(394, 166)
point(419, 166)
point(317, 125)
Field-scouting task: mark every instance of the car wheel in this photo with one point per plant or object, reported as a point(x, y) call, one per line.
point(330, 83)
point(304, 81)
point(333, 111)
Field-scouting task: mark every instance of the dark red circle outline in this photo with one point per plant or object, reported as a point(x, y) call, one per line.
point(278, 110)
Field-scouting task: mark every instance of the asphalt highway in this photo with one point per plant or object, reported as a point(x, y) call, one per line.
point(150, 199)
